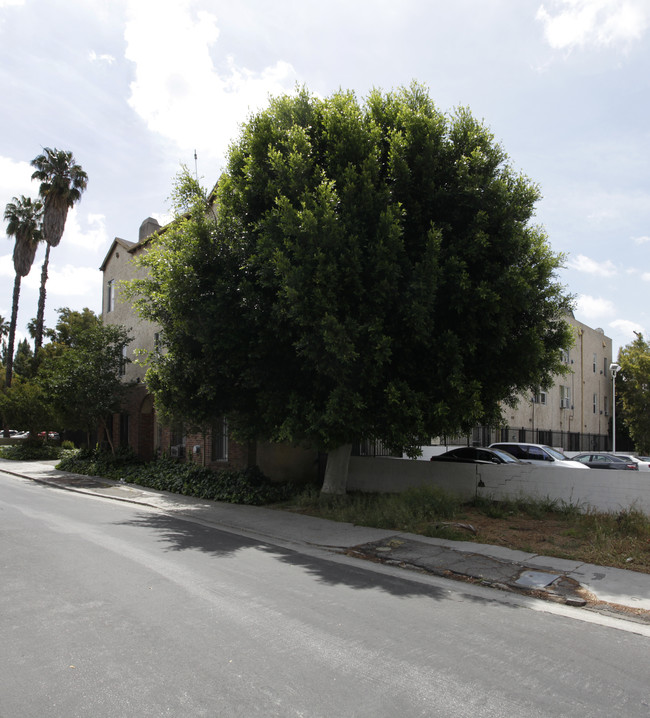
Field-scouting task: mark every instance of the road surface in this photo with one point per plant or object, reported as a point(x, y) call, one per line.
point(115, 610)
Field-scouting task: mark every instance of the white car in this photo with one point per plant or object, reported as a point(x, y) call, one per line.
point(643, 465)
point(538, 454)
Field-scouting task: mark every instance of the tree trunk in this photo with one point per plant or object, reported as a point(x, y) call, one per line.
point(336, 471)
point(109, 438)
point(40, 316)
point(12, 332)
point(55, 212)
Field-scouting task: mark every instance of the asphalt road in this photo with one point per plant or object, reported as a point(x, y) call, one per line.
point(115, 610)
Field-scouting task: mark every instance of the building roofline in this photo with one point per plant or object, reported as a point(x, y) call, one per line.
point(119, 242)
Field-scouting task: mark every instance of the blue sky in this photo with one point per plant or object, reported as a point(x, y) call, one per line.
point(134, 87)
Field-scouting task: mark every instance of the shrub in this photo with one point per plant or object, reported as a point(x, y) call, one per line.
point(248, 486)
point(30, 451)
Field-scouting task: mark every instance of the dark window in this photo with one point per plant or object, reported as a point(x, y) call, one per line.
point(124, 429)
point(110, 296)
point(220, 440)
point(123, 362)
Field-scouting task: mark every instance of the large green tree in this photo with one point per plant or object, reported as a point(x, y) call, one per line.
point(62, 183)
point(633, 391)
point(81, 370)
point(23, 216)
point(370, 272)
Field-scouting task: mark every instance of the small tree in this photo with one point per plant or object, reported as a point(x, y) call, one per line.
point(82, 377)
point(23, 360)
point(24, 406)
point(633, 391)
point(372, 273)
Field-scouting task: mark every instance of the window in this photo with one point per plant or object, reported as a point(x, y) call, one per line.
point(123, 362)
point(595, 403)
point(564, 356)
point(565, 397)
point(606, 405)
point(595, 362)
point(178, 440)
point(605, 365)
point(124, 429)
point(110, 297)
point(540, 398)
point(220, 440)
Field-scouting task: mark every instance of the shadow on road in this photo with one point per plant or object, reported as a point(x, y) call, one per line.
point(181, 534)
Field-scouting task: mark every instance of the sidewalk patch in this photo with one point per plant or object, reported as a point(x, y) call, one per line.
point(536, 579)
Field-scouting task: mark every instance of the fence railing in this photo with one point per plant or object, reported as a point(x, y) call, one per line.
point(567, 440)
point(486, 435)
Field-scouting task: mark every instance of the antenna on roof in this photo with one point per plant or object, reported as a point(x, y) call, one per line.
point(196, 166)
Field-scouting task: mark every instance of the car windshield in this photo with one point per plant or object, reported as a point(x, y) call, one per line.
point(505, 456)
point(555, 454)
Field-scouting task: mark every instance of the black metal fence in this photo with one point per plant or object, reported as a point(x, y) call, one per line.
point(486, 435)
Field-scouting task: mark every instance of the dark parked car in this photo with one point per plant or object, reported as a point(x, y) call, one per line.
point(477, 455)
point(606, 461)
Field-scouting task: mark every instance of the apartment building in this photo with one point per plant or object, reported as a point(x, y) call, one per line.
point(576, 412)
point(137, 424)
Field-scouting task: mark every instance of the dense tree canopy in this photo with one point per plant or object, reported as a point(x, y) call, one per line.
point(633, 391)
point(370, 271)
point(81, 369)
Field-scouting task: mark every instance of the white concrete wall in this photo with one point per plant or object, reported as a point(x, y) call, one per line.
point(599, 490)
point(394, 475)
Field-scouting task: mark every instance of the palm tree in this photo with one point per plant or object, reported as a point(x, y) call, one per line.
point(62, 183)
point(23, 217)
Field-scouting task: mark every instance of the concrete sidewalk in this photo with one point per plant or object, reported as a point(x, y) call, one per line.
point(610, 590)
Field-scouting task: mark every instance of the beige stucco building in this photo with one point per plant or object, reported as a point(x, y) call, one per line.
point(575, 413)
point(137, 425)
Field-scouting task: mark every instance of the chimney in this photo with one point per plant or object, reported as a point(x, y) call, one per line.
point(149, 226)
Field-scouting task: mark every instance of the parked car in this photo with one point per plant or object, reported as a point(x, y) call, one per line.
point(538, 454)
point(477, 455)
point(643, 465)
point(606, 461)
point(51, 435)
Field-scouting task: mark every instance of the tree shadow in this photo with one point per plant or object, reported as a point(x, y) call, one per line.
point(182, 534)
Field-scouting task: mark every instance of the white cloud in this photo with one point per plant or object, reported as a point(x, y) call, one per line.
point(570, 23)
point(178, 91)
point(94, 57)
point(15, 179)
point(93, 237)
point(7, 266)
point(624, 332)
point(594, 308)
point(646, 276)
point(8, 3)
point(642, 240)
point(590, 266)
point(68, 281)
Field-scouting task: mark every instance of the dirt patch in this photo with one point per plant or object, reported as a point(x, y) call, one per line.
point(562, 538)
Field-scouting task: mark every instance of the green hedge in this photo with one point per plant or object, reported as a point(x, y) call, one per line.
point(29, 451)
point(248, 486)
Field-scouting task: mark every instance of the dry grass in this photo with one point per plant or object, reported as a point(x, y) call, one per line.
point(619, 539)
